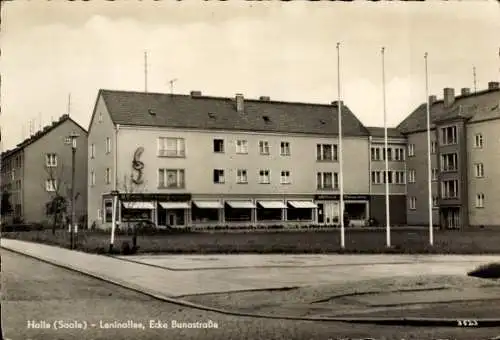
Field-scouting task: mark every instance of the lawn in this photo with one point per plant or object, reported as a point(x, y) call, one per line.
point(325, 241)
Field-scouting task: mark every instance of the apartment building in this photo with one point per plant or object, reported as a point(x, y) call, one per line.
point(395, 176)
point(39, 168)
point(465, 160)
point(193, 160)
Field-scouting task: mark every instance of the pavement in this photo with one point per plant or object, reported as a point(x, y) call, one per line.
point(374, 282)
point(44, 294)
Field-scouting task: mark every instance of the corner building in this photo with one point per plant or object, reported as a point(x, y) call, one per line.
point(195, 160)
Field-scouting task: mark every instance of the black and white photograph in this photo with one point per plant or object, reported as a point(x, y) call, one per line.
point(299, 170)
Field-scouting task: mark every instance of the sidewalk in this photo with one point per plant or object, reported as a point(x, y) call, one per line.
point(156, 281)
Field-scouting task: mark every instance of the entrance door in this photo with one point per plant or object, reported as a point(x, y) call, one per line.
point(171, 219)
point(452, 218)
point(321, 213)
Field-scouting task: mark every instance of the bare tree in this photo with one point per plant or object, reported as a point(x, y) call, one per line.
point(58, 184)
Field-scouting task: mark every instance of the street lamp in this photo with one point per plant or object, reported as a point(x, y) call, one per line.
point(115, 195)
point(72, 141)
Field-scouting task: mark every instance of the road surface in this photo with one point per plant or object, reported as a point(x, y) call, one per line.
point(39, 299)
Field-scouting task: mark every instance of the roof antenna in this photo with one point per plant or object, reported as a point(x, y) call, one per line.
point(146, 71)
point(40, 121)
point(69, 103)
point(171, 82)
point(475, 80)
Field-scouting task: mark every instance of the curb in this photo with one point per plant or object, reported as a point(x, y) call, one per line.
point(416, 322)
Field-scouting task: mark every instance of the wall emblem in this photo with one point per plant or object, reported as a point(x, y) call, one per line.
point(137, 166)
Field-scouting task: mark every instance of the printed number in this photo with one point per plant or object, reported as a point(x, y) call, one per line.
point(467, 323)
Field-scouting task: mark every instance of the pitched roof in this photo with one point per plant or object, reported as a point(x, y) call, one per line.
point(377, 131)
point(203, 112)
point(474, 107)
point(44, 131)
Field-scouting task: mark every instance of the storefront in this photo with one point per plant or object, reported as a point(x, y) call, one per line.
point(270, 211)
point(355, 209)
point(300, 211)
point(238, 211)
point(206, 211)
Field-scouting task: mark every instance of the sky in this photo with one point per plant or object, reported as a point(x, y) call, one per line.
point(285, 50)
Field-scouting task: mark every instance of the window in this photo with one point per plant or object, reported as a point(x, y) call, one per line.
point(399, 177)
point(480, 200)
point(375, 154)
point(435, 173)
point(285, 177)
point(171, 178)
point(411, 150)
point(92, 151)
point(264, 147)
point(285, 149)
point(108, 145)
point(108, 211)
point(433, 147)
point(376, 177)
point(51, 160)
point(389, 154)
point(449, 189)
point(411, 176)
point(219, 176)
point(241, 146)
point(219, 145)
point(478, 141)
point(171, 147)
point(449, 162)
point(107, 176)
point(387, 177)
point(92, 177)
point(479, 167)
point(100, 117)
point(327, 180)
point(242, 176)
point(50, 185)
point(412, 203)
point(435, 202)
point(13, 174)
point(449, 135)
point(264, 177)
point(399, 154)
point(327, 152)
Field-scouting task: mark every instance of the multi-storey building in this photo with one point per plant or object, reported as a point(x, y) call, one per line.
point(194, 160)
point(395, 176)
point(39, 168)
point(464, 159)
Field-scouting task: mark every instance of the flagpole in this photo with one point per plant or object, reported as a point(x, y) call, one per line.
point(340, 151)
point(429, 168)
point(387, 207)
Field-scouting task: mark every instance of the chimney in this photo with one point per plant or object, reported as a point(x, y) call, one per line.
point(432, 99)
point(240, 102)
point(493, 85)
point(449, 96)
point(195, 94)
point(265, 98)
point(465, 91)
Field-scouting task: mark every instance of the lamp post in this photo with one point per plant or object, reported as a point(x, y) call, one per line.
point(72, 140)
point(114, 194)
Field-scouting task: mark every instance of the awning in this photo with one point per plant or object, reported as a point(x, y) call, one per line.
point(272, 204)
point(175, 205)
point(208, 204)
point(241, 204)
point(302, 204)
point(138, 205)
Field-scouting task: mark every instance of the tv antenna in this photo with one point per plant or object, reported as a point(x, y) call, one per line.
point(171, 82)
point(475, 80)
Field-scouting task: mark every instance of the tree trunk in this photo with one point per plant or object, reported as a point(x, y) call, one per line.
point(54, 224)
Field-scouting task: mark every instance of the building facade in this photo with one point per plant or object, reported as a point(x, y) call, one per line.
point(464, 161)
point(189, 160)
point(39, 169)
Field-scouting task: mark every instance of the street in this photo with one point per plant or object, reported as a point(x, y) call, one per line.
point(42, 301)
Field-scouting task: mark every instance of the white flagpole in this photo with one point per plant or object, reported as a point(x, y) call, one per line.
point(387, 207)
point(340, 152)
point(429, 168)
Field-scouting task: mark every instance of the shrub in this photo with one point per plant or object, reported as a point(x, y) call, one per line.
point(487, 271)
